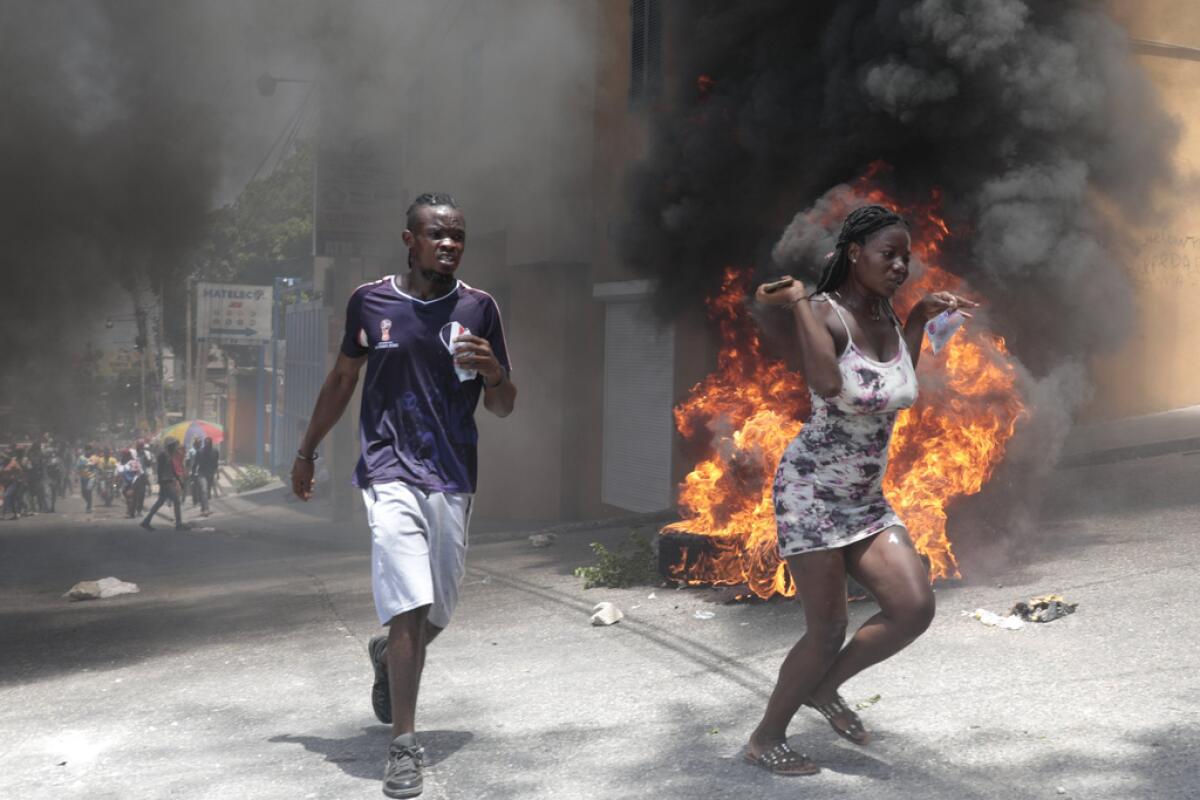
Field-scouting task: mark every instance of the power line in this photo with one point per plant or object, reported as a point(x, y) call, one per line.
point(280, 138)
point(1148, 47)
point(286, 150)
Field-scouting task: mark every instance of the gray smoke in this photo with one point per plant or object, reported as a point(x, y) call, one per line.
point(125, 123)
point(1024, 114)
point(109, 154)
point(1043, 136)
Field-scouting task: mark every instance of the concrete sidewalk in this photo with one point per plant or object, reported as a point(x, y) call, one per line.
point(240, 670)
point(1146, 436)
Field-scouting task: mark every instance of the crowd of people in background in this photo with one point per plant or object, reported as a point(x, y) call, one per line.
point(32, 478)
point(35, 474)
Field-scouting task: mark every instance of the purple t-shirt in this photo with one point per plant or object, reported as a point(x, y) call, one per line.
point(417, 421)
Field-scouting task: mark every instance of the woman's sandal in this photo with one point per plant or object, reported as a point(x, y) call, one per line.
point(783, 760)
point(835, 710)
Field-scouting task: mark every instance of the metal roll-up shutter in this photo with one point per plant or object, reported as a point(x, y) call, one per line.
point(639, 365)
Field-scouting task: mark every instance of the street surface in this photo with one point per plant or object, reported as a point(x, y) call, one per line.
point(240, 671)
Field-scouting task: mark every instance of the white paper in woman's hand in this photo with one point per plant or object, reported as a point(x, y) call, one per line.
point(942, 327)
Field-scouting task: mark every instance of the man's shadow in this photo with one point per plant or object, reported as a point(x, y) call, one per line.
point(363, 756)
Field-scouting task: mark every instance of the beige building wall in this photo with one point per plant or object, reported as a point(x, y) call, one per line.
point(1156, 370)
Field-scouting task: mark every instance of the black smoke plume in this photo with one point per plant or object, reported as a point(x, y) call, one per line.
point(1027, 115)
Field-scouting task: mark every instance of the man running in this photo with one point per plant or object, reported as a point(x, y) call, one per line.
point(170, 484)
point(432, 345)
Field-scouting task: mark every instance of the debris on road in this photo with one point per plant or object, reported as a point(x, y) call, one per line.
point(542, 539)
point(994, 620)
point(101, 589)
point(1046, 608)
point(606, 614)
point(704, 615)
point(867, 703)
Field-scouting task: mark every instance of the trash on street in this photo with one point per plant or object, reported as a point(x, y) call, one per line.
point(101, 589)
point(1045, 608)
point(994, 620)
point(606, 614)
point(867, 702)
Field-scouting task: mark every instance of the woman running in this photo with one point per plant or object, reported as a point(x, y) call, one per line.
point(832, 519)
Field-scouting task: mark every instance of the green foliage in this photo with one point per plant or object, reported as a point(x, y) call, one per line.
point(633, 563)
point(251, 477)
point(268, 225)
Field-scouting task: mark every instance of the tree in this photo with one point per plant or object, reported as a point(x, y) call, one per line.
point(269, 224)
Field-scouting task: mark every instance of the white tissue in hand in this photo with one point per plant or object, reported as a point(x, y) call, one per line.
point(458, 329)
point(942, 327)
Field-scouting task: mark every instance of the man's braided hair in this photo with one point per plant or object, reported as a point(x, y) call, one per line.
point(860, 223)
point(425, 200)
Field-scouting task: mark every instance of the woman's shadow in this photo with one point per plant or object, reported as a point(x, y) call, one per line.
point(363, 756)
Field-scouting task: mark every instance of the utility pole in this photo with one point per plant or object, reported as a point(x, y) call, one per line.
point(160, 331)
point(201, 376)
point(189, 406)
point(143, 347)
point(277, 310)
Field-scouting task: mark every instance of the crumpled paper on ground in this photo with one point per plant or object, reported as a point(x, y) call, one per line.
point(606, 614)
point(101, 589)
point(994, 620)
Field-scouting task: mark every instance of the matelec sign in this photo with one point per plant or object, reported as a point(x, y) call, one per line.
point(231, 313)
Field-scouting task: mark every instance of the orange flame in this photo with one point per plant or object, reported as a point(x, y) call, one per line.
point(944, 447)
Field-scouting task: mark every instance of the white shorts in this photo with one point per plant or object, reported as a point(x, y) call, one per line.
point(418, 549)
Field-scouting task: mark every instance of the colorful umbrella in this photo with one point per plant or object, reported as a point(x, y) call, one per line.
point(185, 432)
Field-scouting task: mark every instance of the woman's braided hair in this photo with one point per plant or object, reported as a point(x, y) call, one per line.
point(860, 223)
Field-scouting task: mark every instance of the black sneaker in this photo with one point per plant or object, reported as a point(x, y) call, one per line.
point(402, 778)
point(381, 693)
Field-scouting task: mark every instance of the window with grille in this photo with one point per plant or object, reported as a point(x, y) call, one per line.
point(645, 50)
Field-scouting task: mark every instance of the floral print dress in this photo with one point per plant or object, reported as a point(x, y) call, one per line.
point(829, 485)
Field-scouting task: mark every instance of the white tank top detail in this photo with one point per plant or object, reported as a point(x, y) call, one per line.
point(870, 386)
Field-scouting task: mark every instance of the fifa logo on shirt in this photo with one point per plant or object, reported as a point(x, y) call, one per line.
point(385, 330)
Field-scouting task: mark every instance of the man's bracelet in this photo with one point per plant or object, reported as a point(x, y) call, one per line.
point(487, 385)
point(300, 455)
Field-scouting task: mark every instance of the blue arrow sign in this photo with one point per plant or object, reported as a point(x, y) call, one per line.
point(231, 331)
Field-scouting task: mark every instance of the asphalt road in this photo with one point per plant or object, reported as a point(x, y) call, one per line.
point(239, 671)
